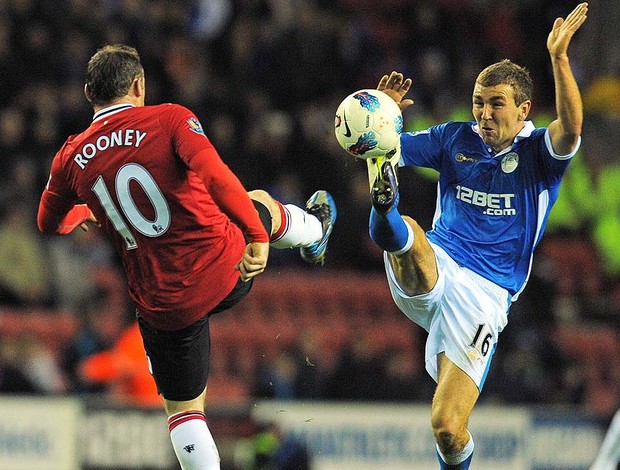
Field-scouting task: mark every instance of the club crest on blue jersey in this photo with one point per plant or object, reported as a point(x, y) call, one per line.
point(194, 125)
point(510, 162)
point(368, 101)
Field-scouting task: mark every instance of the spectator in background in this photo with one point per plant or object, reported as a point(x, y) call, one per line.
point(84, 267)
point(13, 140)
point(24, 268)
point(277, 377)
point(100, 323)
point(276, 450)
point(32, 365)
point(402, 380)
point(583, 225)
point(12, 378)
point(358, 375)
point(294, 373)
point(123, 370)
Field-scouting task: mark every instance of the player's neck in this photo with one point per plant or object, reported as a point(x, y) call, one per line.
point(133, 101)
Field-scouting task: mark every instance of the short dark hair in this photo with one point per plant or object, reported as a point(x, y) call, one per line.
point(110, 73)
point(506, 72)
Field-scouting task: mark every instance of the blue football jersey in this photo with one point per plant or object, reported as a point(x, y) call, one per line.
point(492, 208)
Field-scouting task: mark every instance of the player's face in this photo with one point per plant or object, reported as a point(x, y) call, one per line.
point(499, 118)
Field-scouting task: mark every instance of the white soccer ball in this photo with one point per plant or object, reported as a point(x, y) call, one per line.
point(368, 124)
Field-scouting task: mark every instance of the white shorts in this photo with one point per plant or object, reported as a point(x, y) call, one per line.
point(463, 314)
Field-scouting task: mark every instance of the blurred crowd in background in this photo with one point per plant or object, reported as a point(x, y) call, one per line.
point(265, 77)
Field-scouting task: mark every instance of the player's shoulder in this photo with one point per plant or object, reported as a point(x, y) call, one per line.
point(169, 109)
point(452, 131)
point(453, 127)
point(531, 135)
point(459, 125)
point(172, 114)
point(69, 145)
point(538, 132)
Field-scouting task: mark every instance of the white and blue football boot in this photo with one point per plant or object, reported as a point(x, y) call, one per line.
point(321, 205)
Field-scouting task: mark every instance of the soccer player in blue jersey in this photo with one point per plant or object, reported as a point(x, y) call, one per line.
point(498, 178)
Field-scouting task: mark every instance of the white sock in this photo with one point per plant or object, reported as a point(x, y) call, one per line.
point(298, 228)
point(192, 441)
point(408, 244)
point(458, 457)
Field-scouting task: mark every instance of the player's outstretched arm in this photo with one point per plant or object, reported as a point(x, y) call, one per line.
point(566, 129)
point(396, 87)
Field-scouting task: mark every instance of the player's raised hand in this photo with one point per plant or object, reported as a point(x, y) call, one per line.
point(564, 29)
point(396, 87)
point(254, 260)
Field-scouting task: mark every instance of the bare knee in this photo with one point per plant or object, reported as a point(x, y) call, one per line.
point(263, 197)
point(450, 432)
point(270, 203)
point(173, 407)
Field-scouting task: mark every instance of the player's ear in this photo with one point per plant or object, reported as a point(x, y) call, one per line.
point(139, 86)
point(524, 110)
point(87, 93)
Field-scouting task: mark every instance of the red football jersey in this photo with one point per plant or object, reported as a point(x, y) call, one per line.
point(166, 199)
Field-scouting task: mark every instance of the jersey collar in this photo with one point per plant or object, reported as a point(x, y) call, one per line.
point(109, 110)
point(527, 130)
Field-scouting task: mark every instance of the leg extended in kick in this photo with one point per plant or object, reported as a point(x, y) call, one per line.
point(410, 253)
point(386, 226)
point(293, 227)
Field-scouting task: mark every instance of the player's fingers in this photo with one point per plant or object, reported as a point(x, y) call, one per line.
point(558, 23)
point(398, 82)
point(391, 80)
point(382, 83)
point(243, 273)
point(405, 86)
point(578, 13)
point(253, 267)
point(576, 22)
point(576, 18)
point(405, 103)
point(253, 263)
point(248, 272)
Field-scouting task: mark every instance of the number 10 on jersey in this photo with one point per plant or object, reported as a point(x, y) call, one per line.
point(131, 212)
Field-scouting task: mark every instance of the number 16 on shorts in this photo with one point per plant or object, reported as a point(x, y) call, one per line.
point(481, 344)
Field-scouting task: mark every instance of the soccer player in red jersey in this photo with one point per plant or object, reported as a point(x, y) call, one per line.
point(190, 237)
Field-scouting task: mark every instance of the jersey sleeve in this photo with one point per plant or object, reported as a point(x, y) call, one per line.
point(197, 152)
point(553, 165)
point(423, 148)
point(58, 214)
